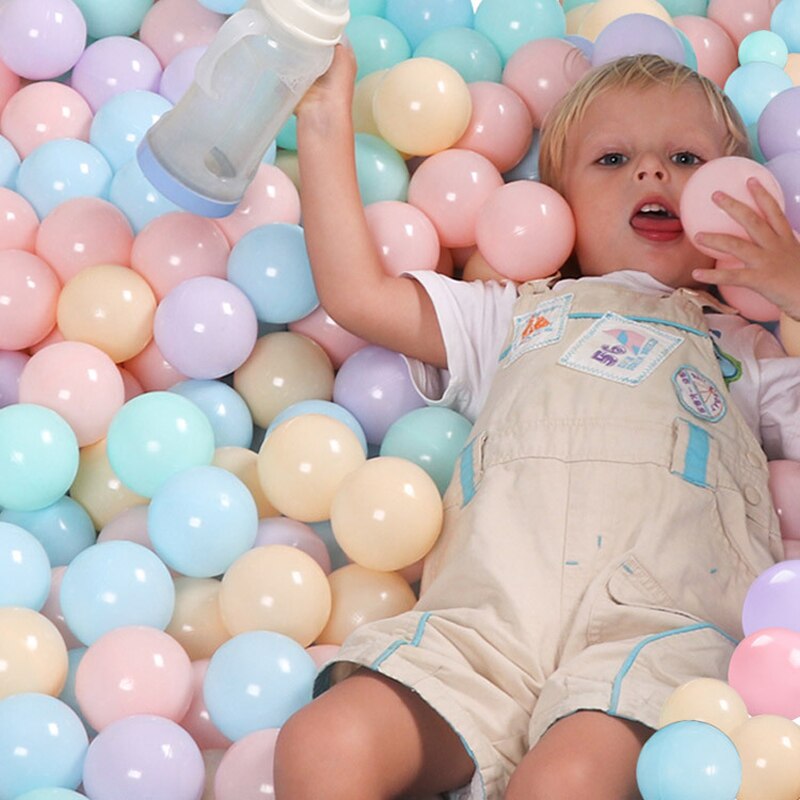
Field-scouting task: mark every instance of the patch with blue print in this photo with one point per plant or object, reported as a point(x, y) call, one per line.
point(698, 394)
point(620, 349)
point(543, 326)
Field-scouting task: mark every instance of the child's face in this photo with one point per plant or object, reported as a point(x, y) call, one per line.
point(626, 164)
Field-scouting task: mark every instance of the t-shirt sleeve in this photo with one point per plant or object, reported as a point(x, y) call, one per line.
point(473, 317)
point(779, 385)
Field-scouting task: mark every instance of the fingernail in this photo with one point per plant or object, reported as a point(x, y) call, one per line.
point(717, 196)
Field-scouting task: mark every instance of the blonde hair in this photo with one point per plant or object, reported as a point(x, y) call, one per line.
point(637, 72)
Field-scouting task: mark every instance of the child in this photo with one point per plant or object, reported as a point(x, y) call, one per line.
point(611, 508)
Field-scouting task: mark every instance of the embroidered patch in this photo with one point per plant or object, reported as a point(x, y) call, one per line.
point(620, 349)
point(698, 394)
point(538, 328)
point(730, 367)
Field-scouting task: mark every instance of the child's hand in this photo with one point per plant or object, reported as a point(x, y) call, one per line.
point(334, 88)
point(771, 260)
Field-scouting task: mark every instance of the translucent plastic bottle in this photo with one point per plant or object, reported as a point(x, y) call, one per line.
point(204, 152)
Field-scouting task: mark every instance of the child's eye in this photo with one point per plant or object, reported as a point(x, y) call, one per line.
point(687, 159)
point(612, 160)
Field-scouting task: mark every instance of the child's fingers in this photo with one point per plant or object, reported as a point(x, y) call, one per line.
point(755, 225)
point(743, 249)
point(725, 277)
point(769, 207)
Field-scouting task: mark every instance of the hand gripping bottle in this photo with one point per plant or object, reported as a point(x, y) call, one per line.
point(203, 153)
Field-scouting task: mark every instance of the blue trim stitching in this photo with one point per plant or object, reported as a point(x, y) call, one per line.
point(636, 318)
point(466, 473)
point(394, 646)
point(695, 468)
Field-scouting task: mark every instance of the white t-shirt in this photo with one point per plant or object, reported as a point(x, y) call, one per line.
point(474, 318)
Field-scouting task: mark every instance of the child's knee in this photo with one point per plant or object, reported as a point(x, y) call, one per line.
point(567, 779)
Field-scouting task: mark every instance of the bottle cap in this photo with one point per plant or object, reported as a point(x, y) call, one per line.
point(319, 21)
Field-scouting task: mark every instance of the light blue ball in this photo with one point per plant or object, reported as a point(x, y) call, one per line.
point(381, 171)
point(201, 520)
point(677, 8)
point(270, 265)
point(51, 794)
point(9, 163)
point(257, 680)
point(511, 23)
point(155, 436)
point(420, 18)
point(39, 457)
point(320, 407)
point(122, 121)
point(689, 55)
point(42, 744)
point(61, 169)
point(287, 135)
point(226, 410)
point(377, 44)
point(467, 51)
point(689, 760)
point(24, 568)
point(751, 86)
point(271, 154)
point(136, 197)
point(763, 46)
point(113, 584)
point(64, 528)
point(120, 18)
point(68, 696)
point(223, 6)
point(376, 8)
point(785, 21)
point(528, 168)
point(570, 4)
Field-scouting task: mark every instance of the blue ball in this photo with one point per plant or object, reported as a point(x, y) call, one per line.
point(420, 18)
point(68, 696)
point(120, 18)
point(763, 46)
point(320, 407)
point(113, 584)
point(42, 744)
point(201, 520)
point(136, 197)
point(467, 51)
point(785, 21)
point(375, 8)
point(512, 23)
point(226, 410)
point(51, 794)
point(528, 168)
point(751, 86)
point(24, 568)
point(377, 44)
point(382, 173)
point(677, 8)
point(223, 6)
point(9, 164)
point(270, 265)
point(689, 760)
point(257, 680)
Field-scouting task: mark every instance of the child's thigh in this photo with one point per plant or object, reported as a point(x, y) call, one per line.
point(587, 754)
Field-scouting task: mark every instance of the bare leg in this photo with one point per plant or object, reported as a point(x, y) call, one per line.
point(368, 737)
point(588, 754)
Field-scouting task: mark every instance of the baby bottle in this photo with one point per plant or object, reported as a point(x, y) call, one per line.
point(204, 152)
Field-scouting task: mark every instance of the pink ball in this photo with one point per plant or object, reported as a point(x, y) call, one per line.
point(79, 382)
point(338, 343)
point(84, 232)
point(245, 772)
point(197, 721)
point(500, 126)
point(404, 237)
point(18, 222)
point(9, 84)
point(133, 670)
point(716, 53)
point(175, 247)
point(749, 303)
point(41, 39)
point(740, 17)
point(153, 372)
point(271, 197)
point(784, 485)
point(450, 187)
point(132, 386)
point(42, 112)
point(12, 362)
point(322, 653)
point(542, 71)
point(171, 26)
point(765, 671)
point(52, 608)
point(129, 525)
point(525, 230)
point(30, 290)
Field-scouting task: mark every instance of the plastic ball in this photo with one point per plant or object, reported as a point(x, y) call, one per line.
point(9, 164)
point(226, 410)
point(124, 18)
point(38, 457)
point(276, 588)
point(136, 197)
point(363, 93)
point(42, 744)
point(270, 266)
point(422, 106)
point(632, 34)
point(387, 514)
point(18, 222)
point(292, 533)
point(115, 584)
point(133, 670)
point(469, 52)
point(196, 721)
point(32, 652)
point(30, 292)
point(525, 230)
point(196, 623)
point(604, 12)
point(778, 124)
point(24, 568)
point(785, 21)
point(246, 768)
point(42, 112)
point(689, 761)
point(52, 610)
point(677, 7)
point(714, 49)
point(363, 595)
point(381, 171)
point(337, 342)
point(420, 18)
point(740, 17)
point(155, 436)
point(12, 362)
point(751, 87)
point(377, 43)
point(509, 24)
point(175, 25)
point(178, 74)
point(705, 700)
point(773, 598)
point(51, 794)
point(41, 39)
point(763, 46)
point(450, 188)
point(403, 236)
point(143, 756)
point(257, 680)
point(10, 83)
point(765, 670)
point(243, 463)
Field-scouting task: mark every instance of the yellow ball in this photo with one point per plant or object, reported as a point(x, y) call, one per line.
point(422, 106)
point(387, 514)
point(705, 700)
point(243, 463)
point(363, 95)
point(575, 16)
point(790, 335)
point(196, 623)
point(605, 11)
point(276, 588)
point(792, 68)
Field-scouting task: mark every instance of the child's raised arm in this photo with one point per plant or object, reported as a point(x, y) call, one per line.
point(352, 286)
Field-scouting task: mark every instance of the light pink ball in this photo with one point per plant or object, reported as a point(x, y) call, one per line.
point(197, 721)
point(153, 372)
point(716, 53)
point(171, 26)
point(740, 17)
point(404, 237)
point(18, 222)
point(245, 772)
point(52, 608)
point(338, 343)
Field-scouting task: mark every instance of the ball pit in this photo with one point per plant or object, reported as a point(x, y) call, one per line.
point(179, 417)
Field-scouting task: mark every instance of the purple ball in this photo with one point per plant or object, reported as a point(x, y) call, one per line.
point(632, 34)
point(779, 124)
point(178, 75)
point(12, 362)
point(786, 169)
point(773, 599)
point(373, 384)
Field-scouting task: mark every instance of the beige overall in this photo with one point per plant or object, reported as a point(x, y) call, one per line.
point(601, 530)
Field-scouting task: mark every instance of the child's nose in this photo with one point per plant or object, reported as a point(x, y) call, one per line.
point(652, 167)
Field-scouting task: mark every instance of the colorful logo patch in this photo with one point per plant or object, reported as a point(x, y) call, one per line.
point(698, 394)
point(543, 326)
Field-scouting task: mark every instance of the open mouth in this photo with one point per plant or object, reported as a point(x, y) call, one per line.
point(656, 221)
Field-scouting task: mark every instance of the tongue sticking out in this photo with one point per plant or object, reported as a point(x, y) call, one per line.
point(657, 226)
